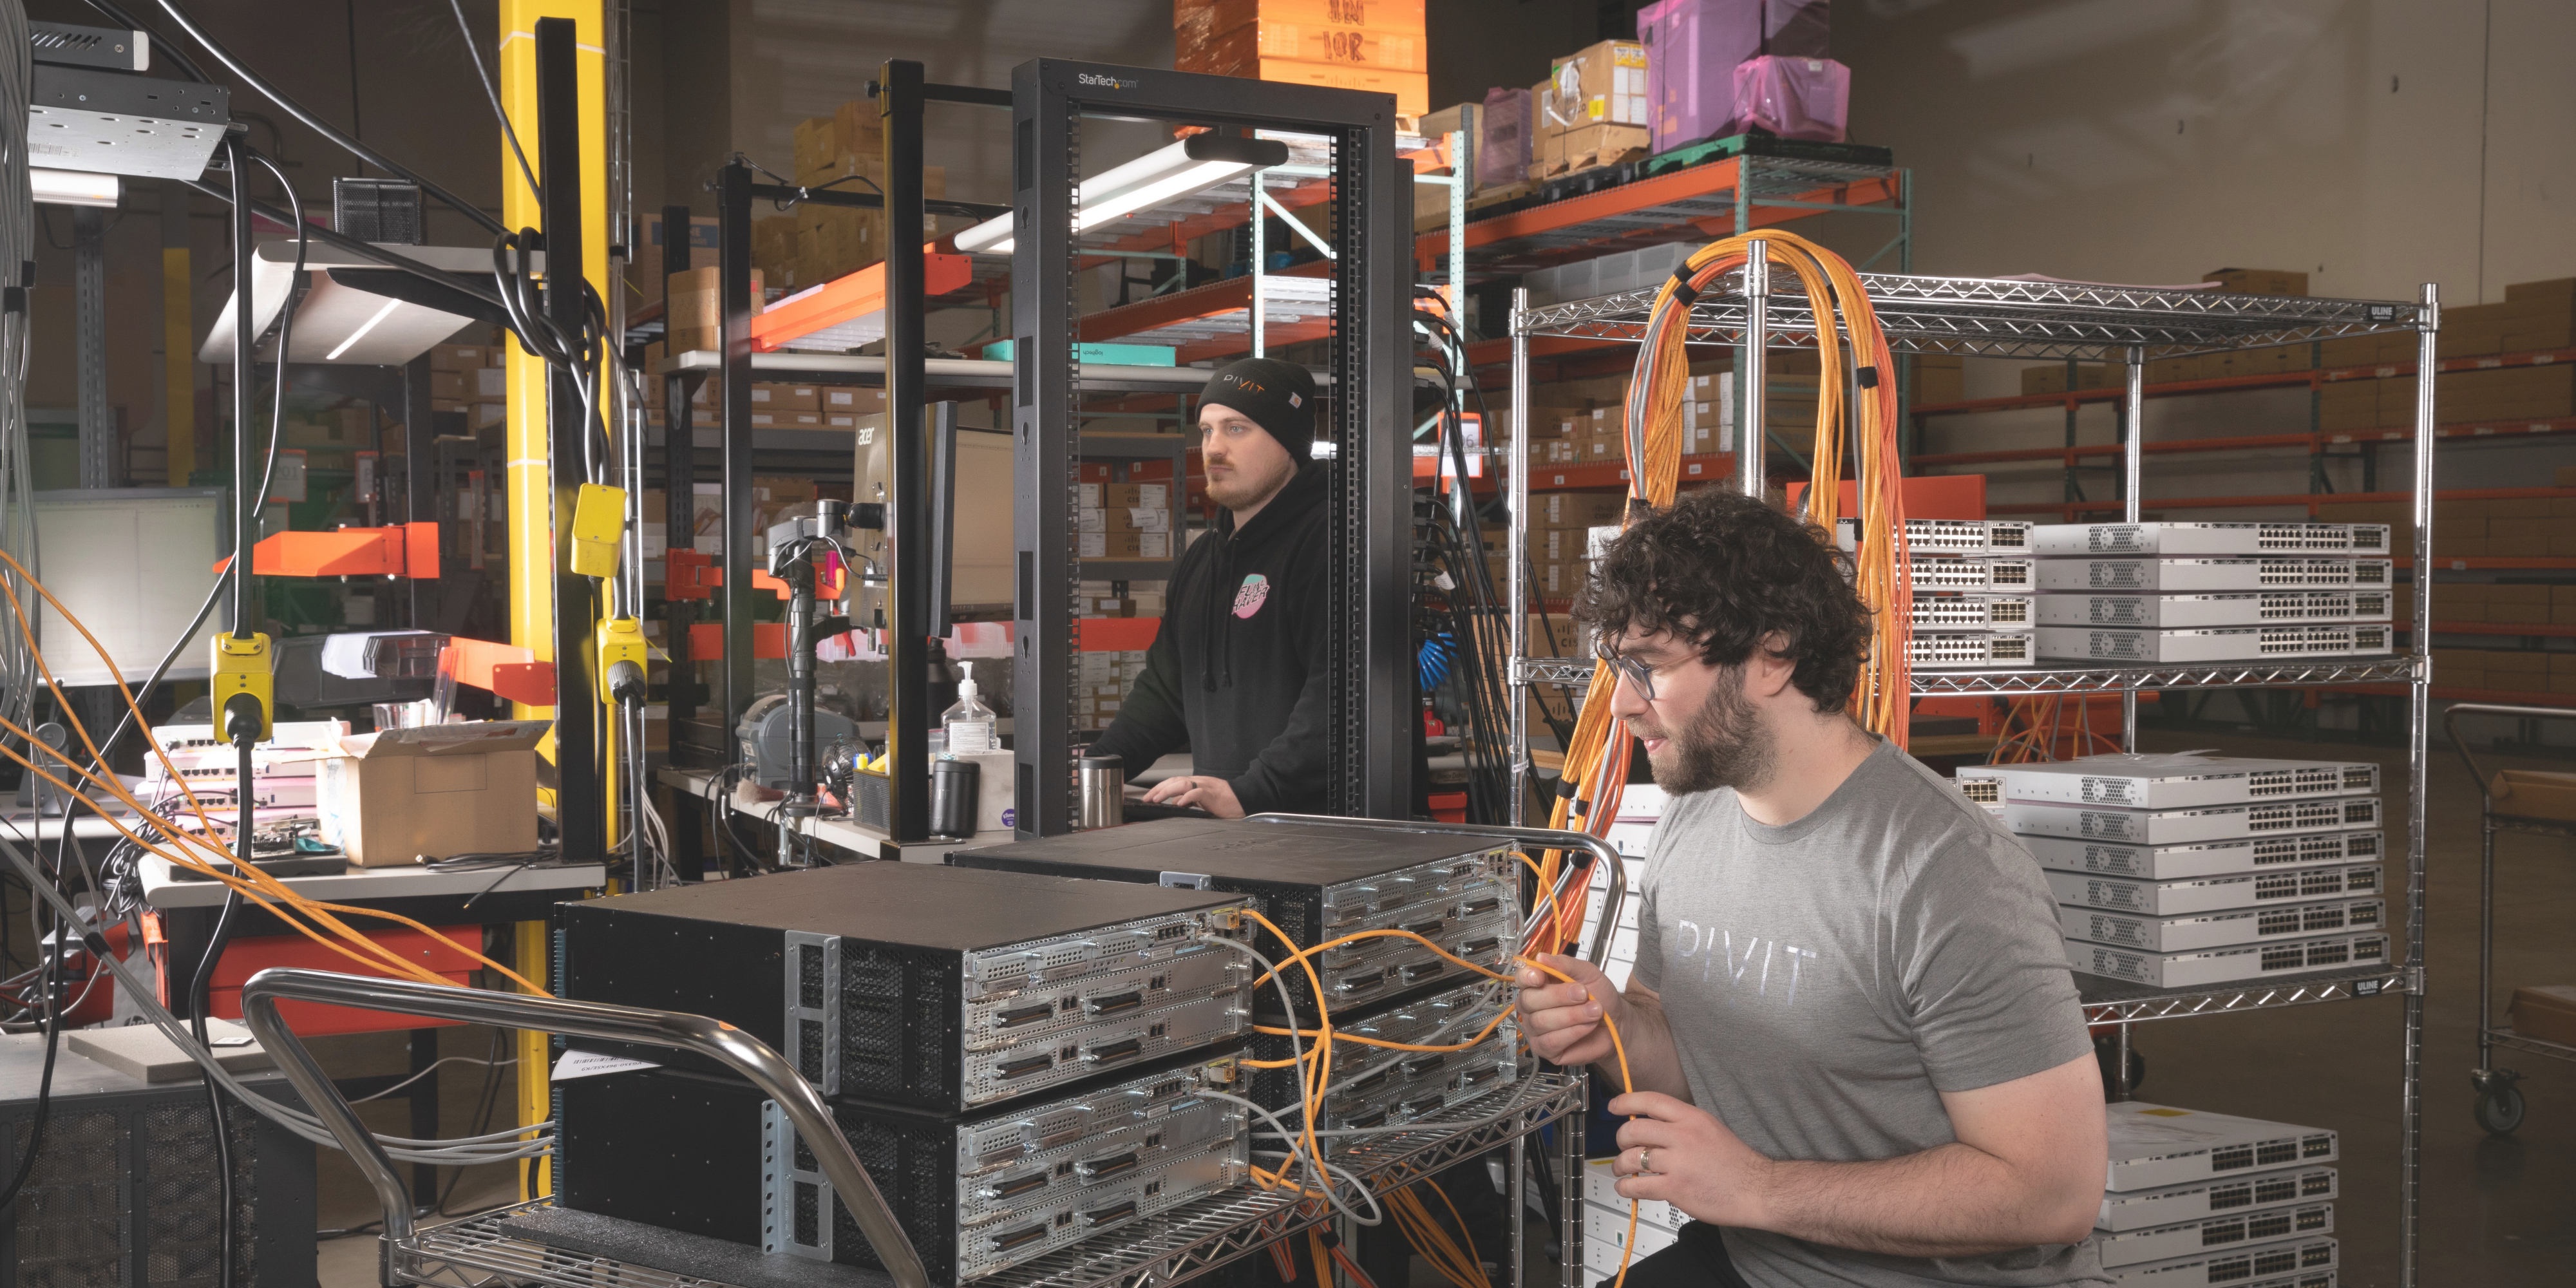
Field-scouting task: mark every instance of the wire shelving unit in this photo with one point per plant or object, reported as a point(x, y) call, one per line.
point(1989, 317)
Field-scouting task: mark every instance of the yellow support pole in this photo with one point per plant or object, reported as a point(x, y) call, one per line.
point(530, 496)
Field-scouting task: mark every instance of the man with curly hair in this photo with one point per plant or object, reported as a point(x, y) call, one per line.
point(1855, 1041)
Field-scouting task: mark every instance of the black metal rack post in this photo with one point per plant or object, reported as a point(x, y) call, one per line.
point(733, 256)
point(1372, 472)
point(907, 519)
point(581, 823)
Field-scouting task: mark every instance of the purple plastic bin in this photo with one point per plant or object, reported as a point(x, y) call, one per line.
point(1503, 138)
point(1795, 98)
point(1694, 46)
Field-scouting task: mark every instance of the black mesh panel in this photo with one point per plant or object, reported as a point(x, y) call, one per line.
point(69, 1228)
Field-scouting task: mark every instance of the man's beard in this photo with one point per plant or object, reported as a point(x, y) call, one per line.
point(1723, 744)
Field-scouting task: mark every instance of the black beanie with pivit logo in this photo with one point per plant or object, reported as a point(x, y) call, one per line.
point(1278, 396)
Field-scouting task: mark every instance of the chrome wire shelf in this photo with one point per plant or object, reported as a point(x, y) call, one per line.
point(2110, 1001)
point(2236, 675)
point(1995, 318)
point(2230, 675)
point(480, 1253)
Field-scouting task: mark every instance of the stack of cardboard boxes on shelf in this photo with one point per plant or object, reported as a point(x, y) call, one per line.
point(1105, 680)
point(1592, 110)
point(1563, 530)
point(1375, 45)
point(1124, 521)
point(470, 378)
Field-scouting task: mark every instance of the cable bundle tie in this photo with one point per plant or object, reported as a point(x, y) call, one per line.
point(1868, 377)
point(1682, 288)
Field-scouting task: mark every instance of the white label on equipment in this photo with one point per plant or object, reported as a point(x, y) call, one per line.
point(591, 1064)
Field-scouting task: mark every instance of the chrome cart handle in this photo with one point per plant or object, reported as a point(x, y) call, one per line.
point(2451, 727)
point(1543, 837)
point(743, 1053)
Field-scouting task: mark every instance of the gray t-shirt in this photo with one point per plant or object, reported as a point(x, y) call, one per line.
point(1827, 980)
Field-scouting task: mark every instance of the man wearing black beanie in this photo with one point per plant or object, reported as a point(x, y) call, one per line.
point(1237, 674)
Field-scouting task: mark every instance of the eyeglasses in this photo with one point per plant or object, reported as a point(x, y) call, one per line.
point(1639, 675)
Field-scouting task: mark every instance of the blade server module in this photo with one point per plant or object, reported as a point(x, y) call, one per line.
point(2221, 929)
point(2203, 859)
point(2209, 538)
point(2125, 1210)
point(2180, 826)
point(2191, 1238)
point(920, 985)
point(975, 1192)
point(2200, 575)
point(2214, 893)
point(2162, 781)
point(2306, 1263)
point(1378, 1087)
point(2203, 612)
point(1318, 882)
point(2209, 966)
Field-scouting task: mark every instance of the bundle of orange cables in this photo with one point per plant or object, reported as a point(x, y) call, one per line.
point(1596, 761)
point(181, 847)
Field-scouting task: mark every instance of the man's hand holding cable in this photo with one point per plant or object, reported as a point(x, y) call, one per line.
point(1683, 1155)
point(1564, 1024)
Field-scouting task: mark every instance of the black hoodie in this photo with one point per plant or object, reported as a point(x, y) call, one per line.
point(1238, 672)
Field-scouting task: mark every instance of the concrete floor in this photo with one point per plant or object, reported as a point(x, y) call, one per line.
point(2496, 1211)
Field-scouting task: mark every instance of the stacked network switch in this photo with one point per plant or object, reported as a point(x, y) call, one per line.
point(2201, 1200)
point(1972, 591)
point(2160, 594)
point(1021, 1062)
point(1452, 903)
point(1606, 1238)
point(2184, 871)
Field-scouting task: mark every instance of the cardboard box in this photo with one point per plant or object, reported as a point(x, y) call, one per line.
point(2544, 1011)
point(2258, 281)
point(1603, 84)
point(1124, 545)
point(458, 357)
point(1233, 53)
point(1938, 378)
point(453, 386)
point(1412, 90)
point(438, 790)
point(696, 308)
point(2532, 793)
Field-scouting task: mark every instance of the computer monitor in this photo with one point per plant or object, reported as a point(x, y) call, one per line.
point(970, 563)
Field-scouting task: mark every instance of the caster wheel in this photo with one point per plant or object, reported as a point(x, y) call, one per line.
point(2500, 1111)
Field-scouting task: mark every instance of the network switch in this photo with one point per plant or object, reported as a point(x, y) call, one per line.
point(2164, 1205)
point(976, 1192)
point(2201, 575)
point(1606, 1225)
point(1969, 576)
point(2177, 781)
point(2184, 826)
point(2245, 963)
point(2306, 1263)
point(2214, 894)
point(1972, 612)
point(2201, 612)
point(1933, 537)
point(921, 985)
point(2209, 1234)
point(1963, 650)
point(1601, 1189)
point(1318, 882)
point(2219, 644)
point(2153, 1146)
point(2223, 928)
point(2202, 859)
point(2208, 538)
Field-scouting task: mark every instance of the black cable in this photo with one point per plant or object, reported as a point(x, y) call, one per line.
point(493, 95)
point(198, 988)
point(44, 1085)
point(243, 73)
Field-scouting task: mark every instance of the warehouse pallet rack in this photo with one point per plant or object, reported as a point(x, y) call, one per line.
point(1988, 318)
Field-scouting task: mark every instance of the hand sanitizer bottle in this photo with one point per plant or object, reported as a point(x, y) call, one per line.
point(969, 724)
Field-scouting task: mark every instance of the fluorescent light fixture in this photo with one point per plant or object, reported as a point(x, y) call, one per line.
point(1194, 164)
point(363, 329)
point(73, 187)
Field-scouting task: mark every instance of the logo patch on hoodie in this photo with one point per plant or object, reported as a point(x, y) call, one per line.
point(1251, 595)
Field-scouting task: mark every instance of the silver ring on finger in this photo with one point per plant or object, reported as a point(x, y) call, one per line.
point(1642, 1168)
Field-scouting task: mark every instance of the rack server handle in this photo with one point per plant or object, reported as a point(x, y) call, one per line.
point(1543, 837)
point(743, 1053)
